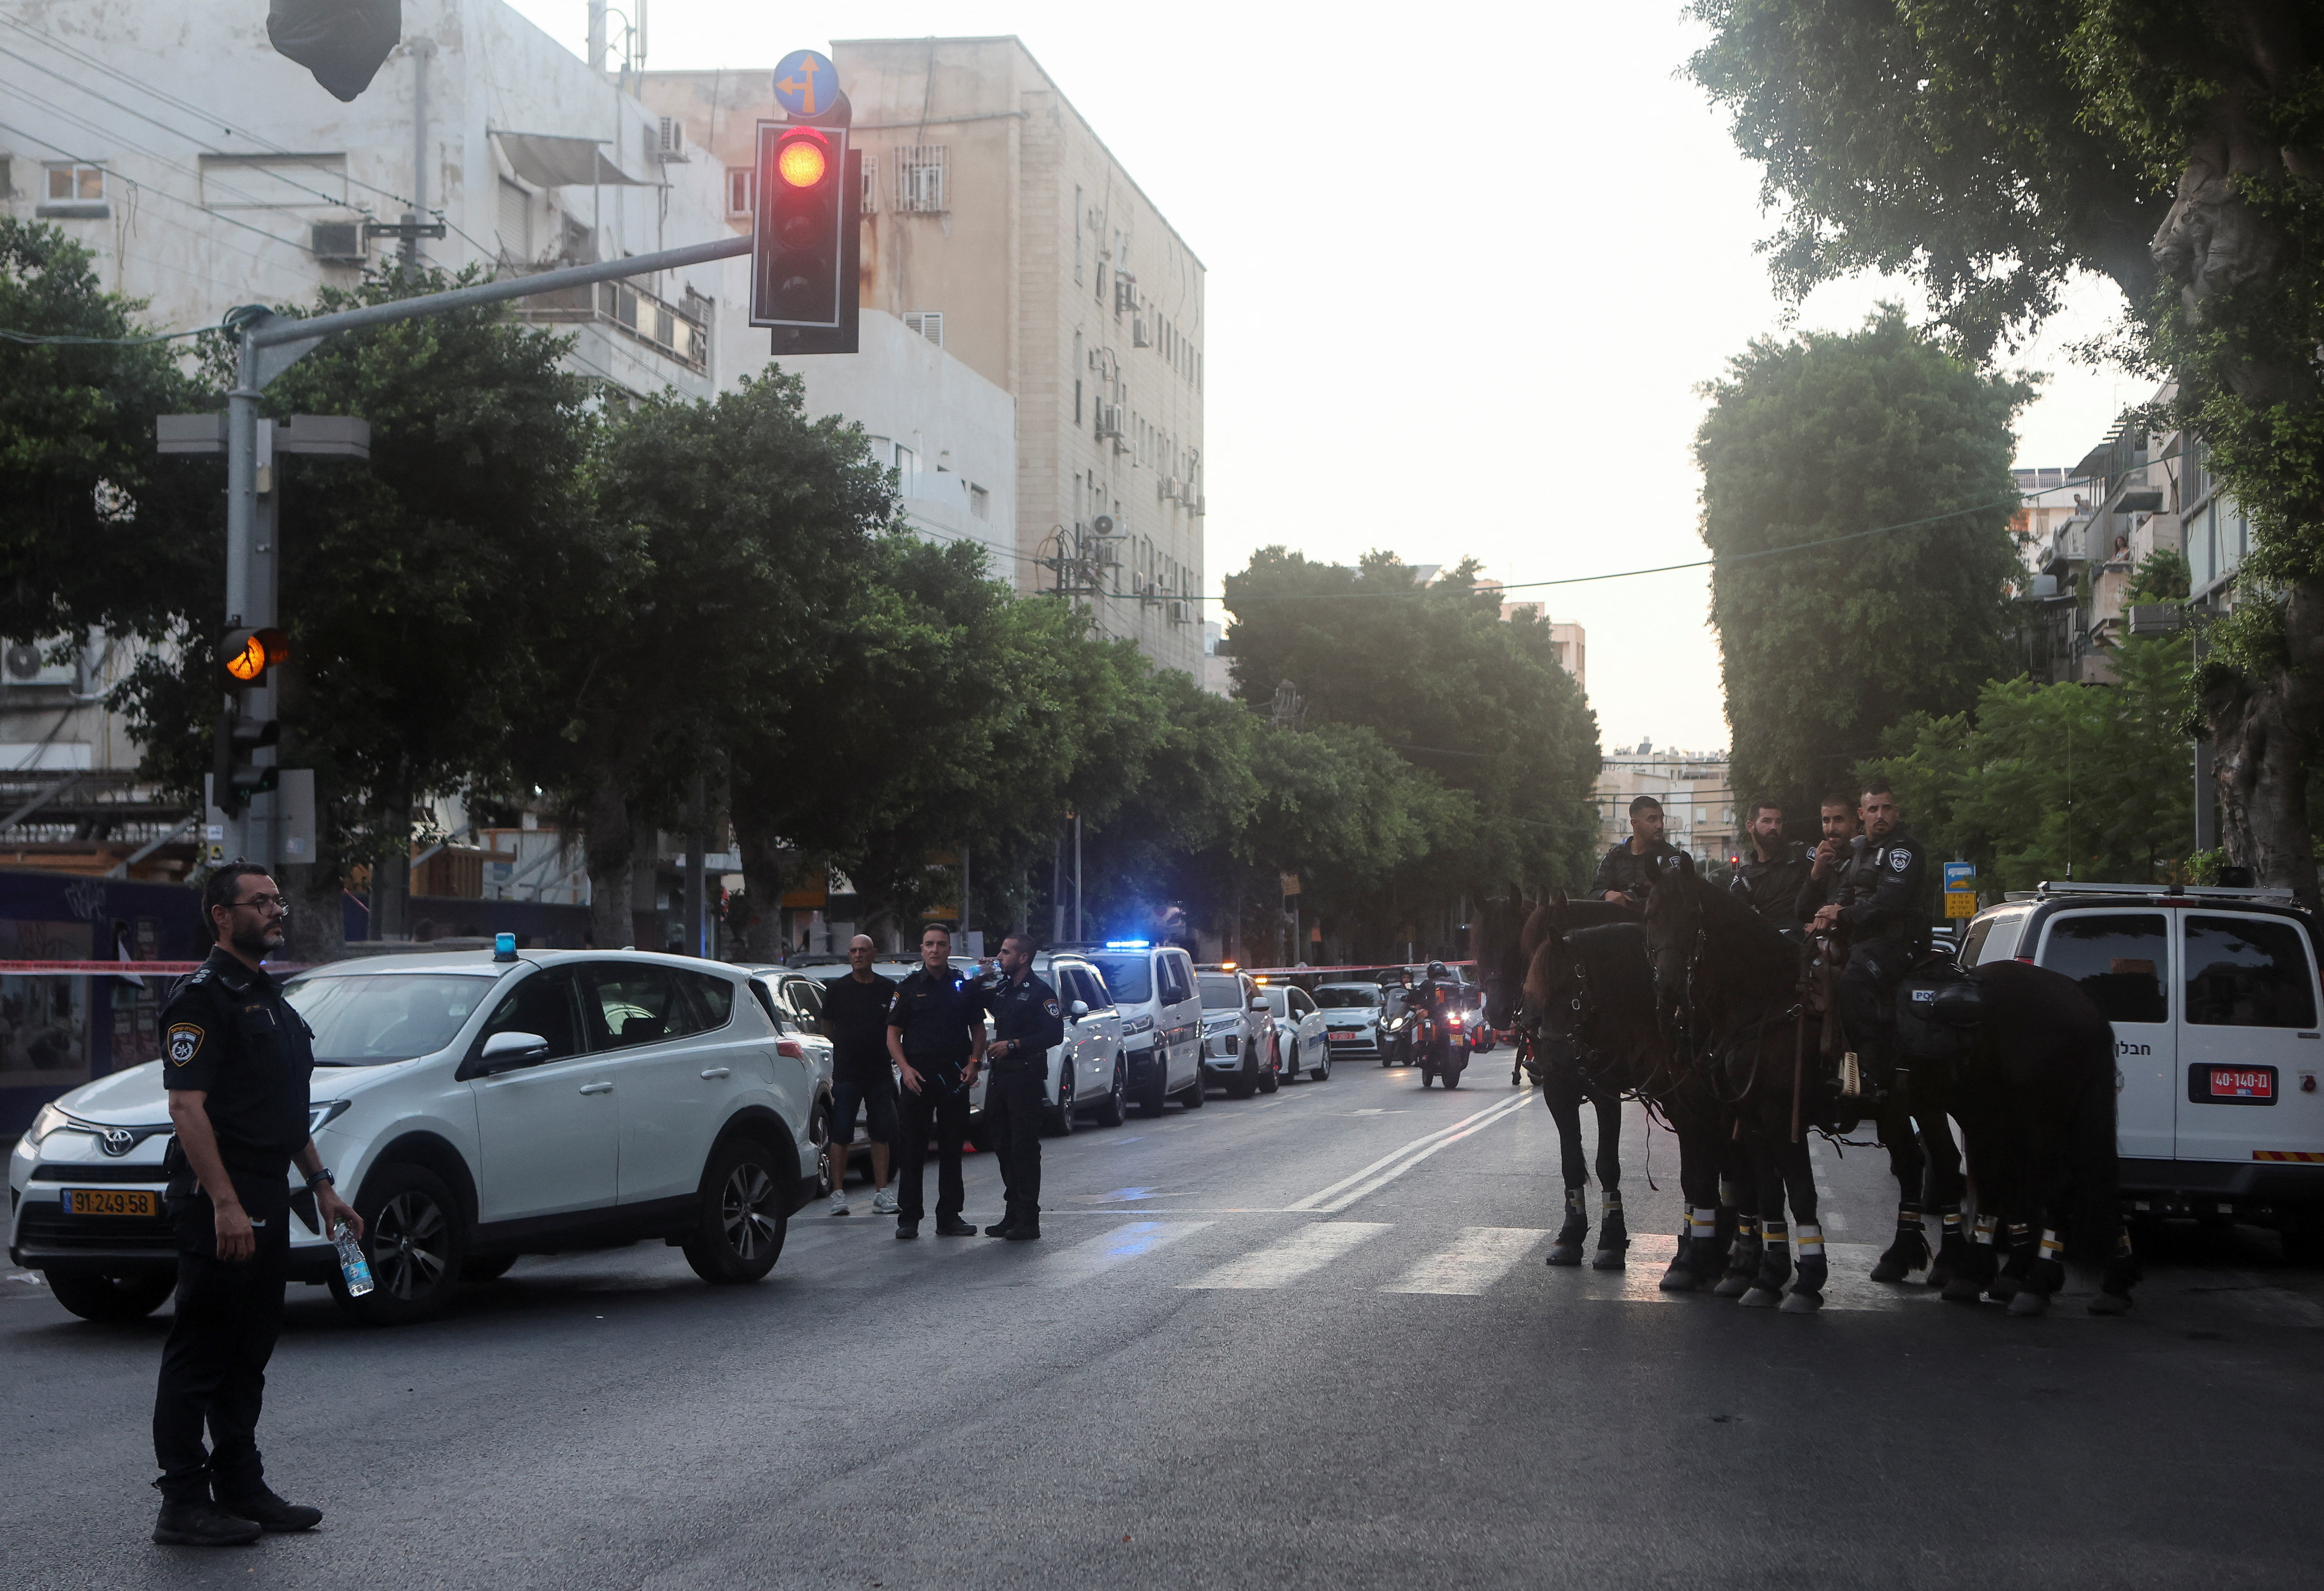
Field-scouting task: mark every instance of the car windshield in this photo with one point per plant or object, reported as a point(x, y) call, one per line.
point(1131, 977)
point(1331, 998)
point(368, 1019)
point(1221, 993)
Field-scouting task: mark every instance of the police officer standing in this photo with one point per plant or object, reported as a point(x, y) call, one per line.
point(1768, 880)
point(237, 1059)
point(1881, 904)
point(1627, 874)
point(1027, 1023)
point(936, 1036)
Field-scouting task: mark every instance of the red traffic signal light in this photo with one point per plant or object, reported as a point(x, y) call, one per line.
point(246, 655)
point(799, 261)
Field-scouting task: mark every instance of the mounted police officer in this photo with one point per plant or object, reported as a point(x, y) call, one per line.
point(237, 1059)
point(1768, 880)
point(936, 1036)
point(1027, 1023)
point(1828, 860)
point(1881, 903)
point(1630, 871)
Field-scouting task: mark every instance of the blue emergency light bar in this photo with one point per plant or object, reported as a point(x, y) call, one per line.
point(1128, 944)
point(504, 947)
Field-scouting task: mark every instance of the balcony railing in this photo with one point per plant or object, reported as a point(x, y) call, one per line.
point(636, 313)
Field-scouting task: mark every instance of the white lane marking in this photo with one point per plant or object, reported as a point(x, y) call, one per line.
point(1480, 1258)
point(1318, 1200)
point(1835, 1221)
point(1373, 1184)
point(1094, 1256)
point(1310, 1248)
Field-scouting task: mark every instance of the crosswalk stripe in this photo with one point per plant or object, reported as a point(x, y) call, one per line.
point(1310, 1248)
point(1481, 1256)
point(1103, 1251)
point(1424, 1145)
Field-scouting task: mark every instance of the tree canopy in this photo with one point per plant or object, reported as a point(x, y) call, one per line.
point(1815, 439)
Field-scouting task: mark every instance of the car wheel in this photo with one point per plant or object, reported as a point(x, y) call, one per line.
point(739, 1234)
point(417, 1242)
point(1270, 1076)
point(1115, 1107)
point(1192, 1099)
point(1060, 1121)
point(1244, 1084)
point(1158, 1093)
point(114, 1298)
point(1323, 1070)
point(1291, 1072)
point(487, 1267)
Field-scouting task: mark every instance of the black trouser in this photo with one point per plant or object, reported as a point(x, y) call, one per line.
point(1867, 995)
point(213, 1364)
point(940, 1108)
point(1016, 1108)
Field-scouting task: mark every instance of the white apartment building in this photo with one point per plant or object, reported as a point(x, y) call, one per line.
point(997, 223)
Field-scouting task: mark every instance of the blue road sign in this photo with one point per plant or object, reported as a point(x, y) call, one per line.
point(1960, 876)
point(806, 83)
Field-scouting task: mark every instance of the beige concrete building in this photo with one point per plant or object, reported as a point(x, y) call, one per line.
point(996, 223)
point(1697, 795)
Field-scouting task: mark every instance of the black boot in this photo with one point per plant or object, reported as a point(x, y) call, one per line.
point(258, 1503)
point(190, 1519)
point(1909, 1252)
point(1613, 1238)
point(1566, 1249)
point(1742, 1260)
point(1767, 1289)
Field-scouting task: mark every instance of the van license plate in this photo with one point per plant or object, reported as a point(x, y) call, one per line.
point(2235, 1082)
point(112, 1202)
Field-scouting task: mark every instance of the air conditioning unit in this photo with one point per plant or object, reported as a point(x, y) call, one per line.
point(1125, 294)
point(28, 665)
point(669, 148)
point(338, 242)
point(1109, 419)
point(1200, 505)
point(1179, 613)
point(1142, 333)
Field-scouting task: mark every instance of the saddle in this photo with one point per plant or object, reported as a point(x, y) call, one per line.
point(1940, 1008)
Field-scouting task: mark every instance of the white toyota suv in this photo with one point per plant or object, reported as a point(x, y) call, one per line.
point(476, 1106)
point(1153, 989)
point(1236, 1051)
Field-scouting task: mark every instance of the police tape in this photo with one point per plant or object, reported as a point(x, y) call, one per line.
point(1352, 967)
point(120, 969)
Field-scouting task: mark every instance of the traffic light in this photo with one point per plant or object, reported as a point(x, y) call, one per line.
point(244, 656)
point(801, 278)
point(238, 775)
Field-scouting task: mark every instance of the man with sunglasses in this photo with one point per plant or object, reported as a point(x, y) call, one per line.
point(236, 1058)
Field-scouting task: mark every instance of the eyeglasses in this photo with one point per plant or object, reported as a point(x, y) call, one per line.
point(263, 902)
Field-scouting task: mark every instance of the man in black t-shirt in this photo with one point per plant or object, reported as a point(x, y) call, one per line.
point(936, 1036)
point(856, 1020)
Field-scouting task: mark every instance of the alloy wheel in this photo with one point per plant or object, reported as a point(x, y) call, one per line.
point(409, 1244)
point(746, 1210)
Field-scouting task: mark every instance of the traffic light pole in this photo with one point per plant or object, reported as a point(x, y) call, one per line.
point(267, 345)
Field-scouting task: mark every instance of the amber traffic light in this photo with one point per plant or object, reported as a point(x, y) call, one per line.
point(245, 656)
point(799, 255)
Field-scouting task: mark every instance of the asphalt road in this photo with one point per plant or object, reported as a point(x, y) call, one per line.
point(1304, 1340)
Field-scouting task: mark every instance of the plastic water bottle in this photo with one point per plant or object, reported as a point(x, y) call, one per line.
point(351, 1263)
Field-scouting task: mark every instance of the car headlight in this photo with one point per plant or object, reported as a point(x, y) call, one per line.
point(1144, 1024)
point(326, 1110)
point(50, 1119)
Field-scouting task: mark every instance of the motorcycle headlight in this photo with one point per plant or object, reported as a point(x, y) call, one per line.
point(49, 1120)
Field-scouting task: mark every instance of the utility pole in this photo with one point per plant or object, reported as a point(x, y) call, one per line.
point(696, 894)
point(1077, 875)
point(423, 51)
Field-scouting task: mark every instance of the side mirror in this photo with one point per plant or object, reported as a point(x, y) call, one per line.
point(1258, 1002)
point(505, 1052)
point(1079, 1009)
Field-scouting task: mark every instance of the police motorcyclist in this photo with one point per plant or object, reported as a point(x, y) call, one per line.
point(1027, 1023)
point(1436, 996)
point(1880, 904)
point(1630, 869)
point(1768, 880)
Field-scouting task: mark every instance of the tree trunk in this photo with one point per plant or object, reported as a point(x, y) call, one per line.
point(2262, 733)
point(391, 875)
point(762, 889)
point(609, 847)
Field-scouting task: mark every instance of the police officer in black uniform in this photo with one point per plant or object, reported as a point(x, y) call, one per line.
point(1027, 1023)
point(936, 1036)
point(1768, 880)
point(236, 1061)
point(1881, 904)
point(1628, 874)
point(1828, 859)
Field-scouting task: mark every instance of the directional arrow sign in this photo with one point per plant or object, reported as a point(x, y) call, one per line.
point(806, 83)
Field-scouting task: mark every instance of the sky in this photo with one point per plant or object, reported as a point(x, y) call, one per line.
point(1462, 290)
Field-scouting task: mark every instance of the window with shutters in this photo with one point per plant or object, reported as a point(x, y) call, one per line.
point(514, 221)
point(980, 503)
point(928, 323)
point(742, 199)
point(922, 177)
point(870, 205)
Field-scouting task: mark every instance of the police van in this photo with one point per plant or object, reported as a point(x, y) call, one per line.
point(2219, 1027)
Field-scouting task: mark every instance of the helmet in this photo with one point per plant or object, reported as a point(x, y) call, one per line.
point(1437, 969)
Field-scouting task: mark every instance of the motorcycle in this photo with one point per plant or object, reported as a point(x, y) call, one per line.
point(1442, 1045)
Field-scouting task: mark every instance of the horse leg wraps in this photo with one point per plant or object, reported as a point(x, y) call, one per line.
point(1910, 1251)
point(1775, 1254)
point(1813, 1272)
point(1613, 1231)
point(1949, 1247)
point(1567, 1249)
point(2048, 1272)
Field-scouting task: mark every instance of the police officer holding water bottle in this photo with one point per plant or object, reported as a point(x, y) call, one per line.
point(236, 1058)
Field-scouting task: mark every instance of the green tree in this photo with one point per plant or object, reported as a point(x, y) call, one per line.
point(95, 527)
point(2174, 146)
point(2060, 781)
point(1808, 441)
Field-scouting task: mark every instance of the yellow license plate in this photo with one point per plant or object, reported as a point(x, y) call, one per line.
point(112, 1202)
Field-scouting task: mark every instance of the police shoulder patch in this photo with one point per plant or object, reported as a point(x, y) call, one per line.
point(185, 1042)
point(1900, 860)
point(1051, 1007)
